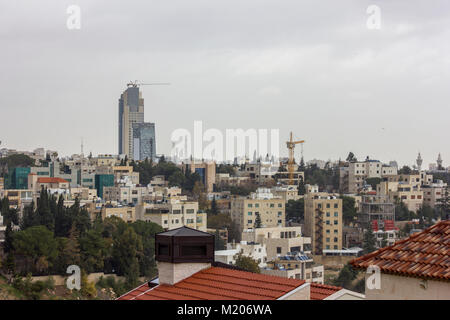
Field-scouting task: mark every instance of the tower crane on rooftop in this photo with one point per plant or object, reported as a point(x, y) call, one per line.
point(137, 84)
point(291, 145)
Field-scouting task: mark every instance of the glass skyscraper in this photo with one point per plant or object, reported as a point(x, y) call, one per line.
point(136, 138)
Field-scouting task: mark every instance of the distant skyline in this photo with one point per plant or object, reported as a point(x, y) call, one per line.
point(310, 67)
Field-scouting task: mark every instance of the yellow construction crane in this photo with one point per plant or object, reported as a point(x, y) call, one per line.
point(291, 145)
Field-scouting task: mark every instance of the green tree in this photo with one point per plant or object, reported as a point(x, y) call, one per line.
point(126, 251)
point(348, 209)
point(219, 244)
point(369, 241)
point(219, 221)
point(37, 245)
point(402, 212)
point(146, 231)
point(93, 250)
point(351, 157)
point(346, 277)
point(258, 221)
point(405, 170)
point(301, 188)
point(247, 263)
point(295, 209)
point(68, 252)
point(373, 182)
point(443, 204)
point(214, 209)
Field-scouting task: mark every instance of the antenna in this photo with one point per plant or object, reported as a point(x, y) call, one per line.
point(81, 145)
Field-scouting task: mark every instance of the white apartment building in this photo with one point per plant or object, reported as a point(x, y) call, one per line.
point(278, 240)
point(173, 214)
point(256, 251)
point(353, 178)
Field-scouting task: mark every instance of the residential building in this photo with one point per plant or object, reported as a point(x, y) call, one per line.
point(415, 268)
point(126, 213)
point(296, 266)
point(262, 203)
point(107, 160)
point(323, 221)
point(17, 178)
point(256, 251)
point(103, 180)
point(173, 214)
point(144, 141)
point(206, 170)
point(375, 207)
point(433, 193)
point(36, 183)
point(353, 177)
point(408, 191)
point(17, 198)
point(287, 192)
point(278, 240)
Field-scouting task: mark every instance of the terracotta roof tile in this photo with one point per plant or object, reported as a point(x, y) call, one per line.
point(51, 180)
point(217, 283)
point(425, 254)
point(321, 291)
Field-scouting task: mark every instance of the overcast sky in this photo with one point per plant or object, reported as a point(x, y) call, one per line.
point(312, 67)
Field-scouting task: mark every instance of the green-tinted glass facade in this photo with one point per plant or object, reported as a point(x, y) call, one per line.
point(17, 178)
point(103, 180)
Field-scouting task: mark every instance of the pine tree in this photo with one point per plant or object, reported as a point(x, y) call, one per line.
point(301, 188)
point(257, 221)
point(369, 241)
point(214, 209)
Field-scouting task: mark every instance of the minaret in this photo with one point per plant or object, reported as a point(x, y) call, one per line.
point(439, 161)
point(419, 162)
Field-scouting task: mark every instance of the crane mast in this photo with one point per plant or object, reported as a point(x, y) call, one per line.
point(291, 145)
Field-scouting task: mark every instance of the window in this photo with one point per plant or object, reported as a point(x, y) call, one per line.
point(335, 247)
point(336, 214)
point(328, 222)
point(249, 221)
point(279, 221)
point(328, 247)
point(328, 205)
point(328, 214)
point(163, 249)
point(193, 250)
point(335, 222)
point(280, 213)
point(190, 210)
point(256, 205)
point(335, 231)
point(328, 239)
point(278, 250)
point(250, 205)
point(335, 239)
point(272, 205)
point(249, 213)
point(336, 205)
point(280, 205)
point(328, 231)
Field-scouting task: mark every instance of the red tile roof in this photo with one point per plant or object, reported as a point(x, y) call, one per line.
point(425, 254)
point(321, 291)
point(51, 180)
point(217, 283)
